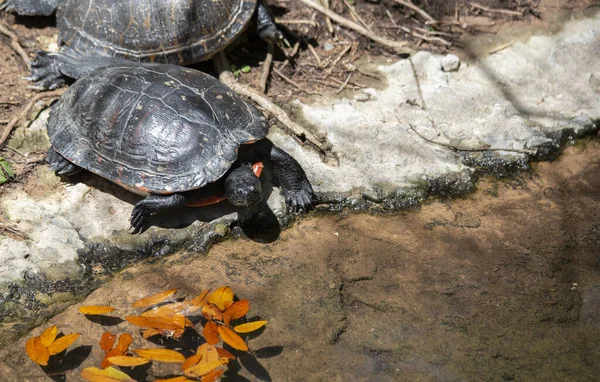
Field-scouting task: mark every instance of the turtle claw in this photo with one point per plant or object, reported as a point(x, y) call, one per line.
point(45, 73)
point(139, 218)
point(300, 200)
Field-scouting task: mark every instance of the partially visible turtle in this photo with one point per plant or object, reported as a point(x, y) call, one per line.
point(168, 31)
point(170, 133)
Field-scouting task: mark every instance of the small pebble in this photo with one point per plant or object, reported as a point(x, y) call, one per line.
point(450, 63)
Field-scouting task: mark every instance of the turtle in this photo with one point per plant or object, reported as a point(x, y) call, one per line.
point(178, 32)
point(172, 134)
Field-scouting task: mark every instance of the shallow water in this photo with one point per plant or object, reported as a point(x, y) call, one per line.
point(503, 284)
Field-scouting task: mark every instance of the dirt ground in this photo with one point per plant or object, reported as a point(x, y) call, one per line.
point(501, 285)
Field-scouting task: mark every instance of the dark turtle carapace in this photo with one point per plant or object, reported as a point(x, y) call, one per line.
point(167, 31)
point(169, 133)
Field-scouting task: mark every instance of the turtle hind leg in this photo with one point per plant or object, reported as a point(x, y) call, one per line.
point(59, 164)
point(30, 7)
point(266, 27)
point(151, 205)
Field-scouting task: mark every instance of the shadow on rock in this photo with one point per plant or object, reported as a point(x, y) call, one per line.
point(60, 363)
point(104, 320)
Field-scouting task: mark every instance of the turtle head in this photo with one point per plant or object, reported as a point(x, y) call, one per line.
point(242, 187)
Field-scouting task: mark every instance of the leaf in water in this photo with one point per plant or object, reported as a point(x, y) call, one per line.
point(212, 376)
point(62, 343)
point(36, 351)
point(110, 374)
point(235, 311)
point(49, 335)
point(96, 309)
point(211, 333)
point(224, 353)
point(168, 323)
point(232, 339)
point(249, 326)
point(222, 297)
point(191, 361)
point(165, 310)
point(107, 341)
point(155, 299)
point(199, 301)
point(161, 355)
point(212, 312)
point(124, 360)
point(203, 368)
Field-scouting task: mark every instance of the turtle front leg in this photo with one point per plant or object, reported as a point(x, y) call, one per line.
point(151, 205)
point(51, 70)
point(30, 7)
point(266, 27)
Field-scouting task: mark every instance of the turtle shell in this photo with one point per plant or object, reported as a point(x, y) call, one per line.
point(169, 31)
point(153, 128)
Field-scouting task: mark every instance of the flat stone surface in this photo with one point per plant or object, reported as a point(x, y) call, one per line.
point(532, 95)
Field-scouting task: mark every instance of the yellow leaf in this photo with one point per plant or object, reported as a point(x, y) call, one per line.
point(191, 361)
point(176, 379)
point(211, 333)
point(107, 341)
point(49, 335)
point(199, 301)
point(150, 332)
point(249, 326)
point(155, 299)
point(212, 376)
point(96, 309)
point(167, 323)
point(203, 368)
point(212, 312)
point(222, 297)
point(235, 311)
point(165, 310)
point(36, 351)
point(232, 339)
point(209, 353)
point(125, 340)
point(124, 360)
point(110, 374)
point(62, 343)
point(161, 355)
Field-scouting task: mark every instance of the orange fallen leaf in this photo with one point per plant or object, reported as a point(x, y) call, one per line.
point(199, 301)
point(224, 353)
point(62, 343)
point(235, 311)
point(154, 299)
point(175, 379)
point(110, 374)
point(191, 361)
point(161, 355)
point(125, 340)
point(151, 332)
point(36, 351)
point(96, 309)
point(212, 312)
point(167, 323)
point(222, 297)
point(165, 310)
point(203, 368)
point(209, 353)
point(211, 333)
point(232, 339)
point(107, 341)
point(49, 335)
point(125, 360)
point(212, 376)
point(188, 322)
point(249, 326)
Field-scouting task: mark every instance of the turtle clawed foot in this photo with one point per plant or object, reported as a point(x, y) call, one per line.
point(45, 73)
point(139, 218)
point(300, 200)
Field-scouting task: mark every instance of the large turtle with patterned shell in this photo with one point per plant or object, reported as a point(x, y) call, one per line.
point(175, 135)
point(178, 32)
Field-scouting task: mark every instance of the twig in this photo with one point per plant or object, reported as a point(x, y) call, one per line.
point(495, 10)
point(398, 46)
point(23, 114)
point(14, 44)
point(4, 122)
point(426, 38)
point(292, 22)
point(264, 77)
point(332, 84)
point(314, 53)
point(420, 93)
point(424, 14)
point(228, 79)
point(327, 19)
point(356, 16)
point(390, 16)
point(338, 58)
point(292, 82)
point(341, 89)
point(291, 55)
